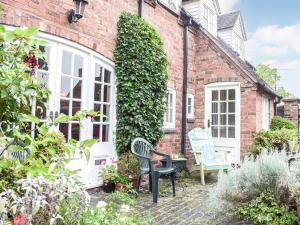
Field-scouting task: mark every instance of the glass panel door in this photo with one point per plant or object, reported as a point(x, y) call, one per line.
point(71, 79)
point(102, 103)
point(223, 113)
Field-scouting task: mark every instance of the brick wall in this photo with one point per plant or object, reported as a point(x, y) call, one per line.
point(291, 110)
point(97, 30)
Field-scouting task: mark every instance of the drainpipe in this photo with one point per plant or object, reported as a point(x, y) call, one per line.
point(187, 23)
point(141, 8)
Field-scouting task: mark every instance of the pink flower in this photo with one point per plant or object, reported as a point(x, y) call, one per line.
point(19, 220)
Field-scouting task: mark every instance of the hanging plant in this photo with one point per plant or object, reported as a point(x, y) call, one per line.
point(141, 71)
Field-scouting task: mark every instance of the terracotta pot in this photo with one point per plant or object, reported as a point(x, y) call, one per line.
point(298, 209)
point(120, 187)
point(135, 181)
point(109, 187)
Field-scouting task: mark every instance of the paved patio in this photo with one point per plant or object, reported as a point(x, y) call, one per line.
point(190, 206)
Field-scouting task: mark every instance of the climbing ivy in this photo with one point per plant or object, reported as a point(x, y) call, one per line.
point(141, 71)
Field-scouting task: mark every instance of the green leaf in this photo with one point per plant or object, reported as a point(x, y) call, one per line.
point(87, 143)
point(15, 148)
point(31, 31)
point(30, 118)
point(51, 167)
point(2, 29)
point(62, 118)
point(87, 154)
point(43, 129)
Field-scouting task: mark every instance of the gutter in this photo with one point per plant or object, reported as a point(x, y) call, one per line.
point(187, 23)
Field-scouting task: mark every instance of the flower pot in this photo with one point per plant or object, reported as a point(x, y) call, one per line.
point(109, 187)
point(120, 187)
point(298, 209)
point(135, 181)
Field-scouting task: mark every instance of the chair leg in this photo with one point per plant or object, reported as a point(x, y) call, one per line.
point(139, 183)
point(150, 182)
point(155, 176)
point(202, 175)
point(173, 182)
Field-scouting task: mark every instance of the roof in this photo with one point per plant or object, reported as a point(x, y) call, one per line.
point(228, 20)
point(244, 65)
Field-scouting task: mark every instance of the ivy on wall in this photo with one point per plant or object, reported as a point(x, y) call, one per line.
point(141, 71)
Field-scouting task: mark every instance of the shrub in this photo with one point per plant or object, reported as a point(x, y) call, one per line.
point(141, 71)
point(269, 171)
point(128, 164)
point(273, 140)
point(281, 123)
point(264, 210)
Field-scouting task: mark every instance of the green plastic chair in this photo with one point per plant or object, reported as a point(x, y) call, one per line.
point(143, 150)
point(205, 153)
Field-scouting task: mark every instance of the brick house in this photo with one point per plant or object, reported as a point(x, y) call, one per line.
point(290, 109)
point(221, 91)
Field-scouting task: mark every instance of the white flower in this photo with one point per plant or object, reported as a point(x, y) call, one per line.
point(101, 204)
point(125, 208)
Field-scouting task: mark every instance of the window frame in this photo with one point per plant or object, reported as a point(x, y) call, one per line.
point(265, 113)
point(192, 113)
point(172, 124)
point(208, 19)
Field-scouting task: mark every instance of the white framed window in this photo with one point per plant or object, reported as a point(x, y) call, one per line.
point(208, 19)
point(190, 106)
point(265, 113)
point(171, 109)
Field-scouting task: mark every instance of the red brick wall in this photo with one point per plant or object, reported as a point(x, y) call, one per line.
point(97, 30)
point(291, 110)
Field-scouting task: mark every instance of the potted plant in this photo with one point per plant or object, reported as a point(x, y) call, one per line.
point(109, 175)
point(122, 183)
point(295, 191)
point(128, 166)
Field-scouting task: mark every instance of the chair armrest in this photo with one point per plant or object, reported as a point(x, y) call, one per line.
point(198, 156)
point(168, 157)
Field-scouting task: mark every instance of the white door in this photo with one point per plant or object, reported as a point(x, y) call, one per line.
point(222, 117)
point(81, 81)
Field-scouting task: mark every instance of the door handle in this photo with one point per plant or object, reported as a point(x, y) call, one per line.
point(208, 123)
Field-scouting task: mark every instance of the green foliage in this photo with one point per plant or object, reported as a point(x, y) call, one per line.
point(109, 174)
point(268, 74)
point(17, 87)
point(283, 93)
point(268, 171)
point(279, 123)
point(119, 198)
point(141, 71)
point(128, 164)
point(264, 210)
point(273, 140)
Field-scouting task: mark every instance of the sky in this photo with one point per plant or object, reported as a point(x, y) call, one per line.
point(273, 31)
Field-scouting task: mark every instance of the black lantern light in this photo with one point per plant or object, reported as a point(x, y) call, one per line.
point(77, 13)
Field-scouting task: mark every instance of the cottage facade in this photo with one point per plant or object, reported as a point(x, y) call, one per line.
point(223, 92)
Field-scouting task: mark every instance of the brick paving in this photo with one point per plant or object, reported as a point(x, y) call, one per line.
point(189, 207)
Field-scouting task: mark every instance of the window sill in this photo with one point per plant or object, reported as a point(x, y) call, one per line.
point(170, 131)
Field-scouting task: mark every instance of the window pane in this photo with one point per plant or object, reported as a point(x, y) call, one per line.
point(214, 131)
point(105, 113)
point(98, 73)
point(96, 131)
point(223, 95)
point(189, 109)
point(66, 63)
point(223, 120)
point(231, 107)
point(78, 65)
point(106, 97)
point(75, 107)
point(45, 78)
point(231, 94)
point(63, 127)
point(77, 88)
point(65, 87)
point(231, 132)
point(41, 110)
point(214, 107)
point(223, 132)
point(64, 106)
point(97, 109)
point(97, 92)
point(215, 119)
point(231, 119)
point(223, 107)
point(43, 64)
point(105, 133)
point(215, 95)
point(75, 131)
point(107, 75)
